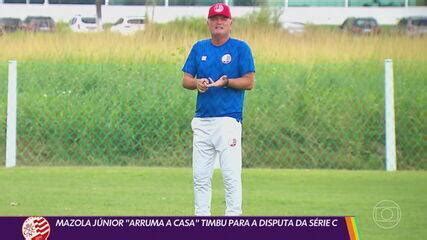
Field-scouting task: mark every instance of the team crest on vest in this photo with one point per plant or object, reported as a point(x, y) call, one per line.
point(226, 59)
point(218, 8)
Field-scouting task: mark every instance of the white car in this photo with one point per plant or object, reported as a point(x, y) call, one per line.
point(129, 25)
point(294, 27)
point(83, 24)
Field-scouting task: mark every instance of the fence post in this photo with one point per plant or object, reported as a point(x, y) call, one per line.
point(390, 133)
point(11, 116)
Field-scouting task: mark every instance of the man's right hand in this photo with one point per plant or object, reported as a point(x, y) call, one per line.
point(202, 84)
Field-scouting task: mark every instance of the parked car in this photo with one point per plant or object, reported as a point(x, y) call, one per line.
point(294, 27)
point(83, 24)
point(361, 26)
point(10, 25)
point(129, 25)
point(413, 26)
point(39, 24)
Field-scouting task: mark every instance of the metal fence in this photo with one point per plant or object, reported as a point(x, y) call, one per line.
point(3, 101)
point(316, 115)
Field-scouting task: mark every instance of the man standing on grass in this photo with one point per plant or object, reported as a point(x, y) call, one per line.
point(221, 69)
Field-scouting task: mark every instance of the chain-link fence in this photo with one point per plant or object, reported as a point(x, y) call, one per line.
point(411, 115)
point(312, 115)
point(102, 114)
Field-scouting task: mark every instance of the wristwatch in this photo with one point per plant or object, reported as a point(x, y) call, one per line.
point(226, 81)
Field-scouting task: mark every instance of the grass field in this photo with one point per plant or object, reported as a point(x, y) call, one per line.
point(105, 99)
point(168, 191)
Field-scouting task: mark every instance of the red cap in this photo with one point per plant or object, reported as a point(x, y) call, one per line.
point(219, 9)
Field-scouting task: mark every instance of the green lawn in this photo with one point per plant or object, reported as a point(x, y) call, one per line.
point(140, 191)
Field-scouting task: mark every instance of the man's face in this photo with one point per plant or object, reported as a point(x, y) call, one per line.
point(219, 25)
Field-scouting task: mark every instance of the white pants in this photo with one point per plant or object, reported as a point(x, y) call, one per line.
point(211, 136)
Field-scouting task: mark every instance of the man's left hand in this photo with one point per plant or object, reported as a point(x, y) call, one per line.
point(221, 82)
